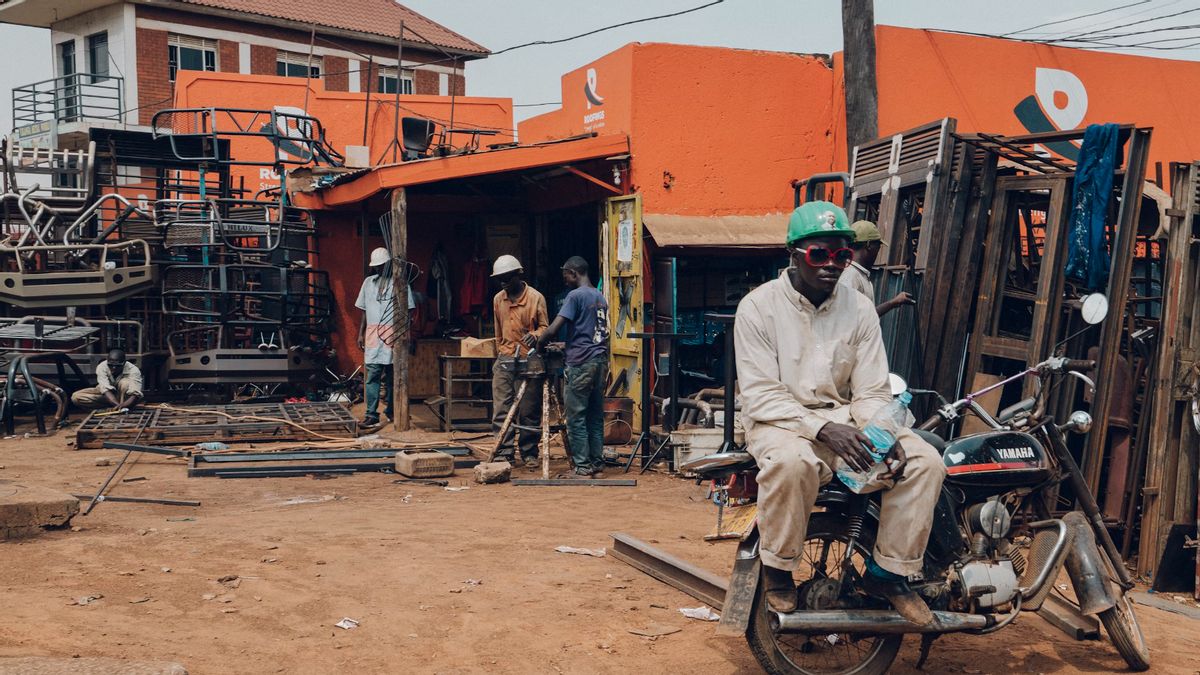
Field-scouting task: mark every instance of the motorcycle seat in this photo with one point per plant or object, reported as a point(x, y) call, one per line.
point(933, 439)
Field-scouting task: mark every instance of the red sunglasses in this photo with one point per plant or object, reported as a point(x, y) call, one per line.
point(820, 256)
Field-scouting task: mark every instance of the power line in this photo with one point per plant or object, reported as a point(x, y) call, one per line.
point(1109, 23)
point(1117, 36)
point(606, 28)
point(536, 105)
point(1075, 18)
point(1075, 38)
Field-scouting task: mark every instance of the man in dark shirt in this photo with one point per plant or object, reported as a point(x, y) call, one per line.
point(585, 314)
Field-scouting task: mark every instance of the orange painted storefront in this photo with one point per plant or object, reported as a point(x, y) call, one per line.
point(713, 131)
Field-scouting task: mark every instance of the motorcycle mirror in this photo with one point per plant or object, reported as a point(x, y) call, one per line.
point(897, 383)
point(1094, 308)
point(1080, 423)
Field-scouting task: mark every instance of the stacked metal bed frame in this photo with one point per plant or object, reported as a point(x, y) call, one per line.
point(146, 239)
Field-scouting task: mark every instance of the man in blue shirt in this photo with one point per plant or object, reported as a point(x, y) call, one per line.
point(585, 314)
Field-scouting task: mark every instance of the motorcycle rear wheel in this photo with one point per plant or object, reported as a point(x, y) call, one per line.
point(809, 654)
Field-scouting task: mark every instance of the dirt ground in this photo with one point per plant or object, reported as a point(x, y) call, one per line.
point(440, 581)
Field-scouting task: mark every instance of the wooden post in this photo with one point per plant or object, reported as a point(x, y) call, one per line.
point(400, 315)
point(1168, 418)
point(858, 53)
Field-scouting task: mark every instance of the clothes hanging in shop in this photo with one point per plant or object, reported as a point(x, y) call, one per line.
point(473, 296)
point(1087, 251)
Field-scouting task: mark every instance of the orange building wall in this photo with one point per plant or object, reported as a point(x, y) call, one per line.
point(925, 75)
point(713, 131)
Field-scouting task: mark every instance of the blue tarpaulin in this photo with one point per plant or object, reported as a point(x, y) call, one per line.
point(1087, 251)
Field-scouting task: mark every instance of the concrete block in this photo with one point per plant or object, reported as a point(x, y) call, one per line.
point(492, 472)
point(26, 510)
point(52, 665)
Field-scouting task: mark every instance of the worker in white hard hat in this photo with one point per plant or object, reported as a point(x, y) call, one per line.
point(518, 310)
point(375, 333)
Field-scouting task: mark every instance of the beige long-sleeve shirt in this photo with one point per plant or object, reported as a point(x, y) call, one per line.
point(859, 278)
point(800, 367)
point(130, 374)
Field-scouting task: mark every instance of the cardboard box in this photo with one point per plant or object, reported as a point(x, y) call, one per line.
point(479, 347)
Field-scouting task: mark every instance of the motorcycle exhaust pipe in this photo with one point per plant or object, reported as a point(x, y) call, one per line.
point(874, 621)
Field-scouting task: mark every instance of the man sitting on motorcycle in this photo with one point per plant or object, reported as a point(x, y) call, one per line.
point(812, 371)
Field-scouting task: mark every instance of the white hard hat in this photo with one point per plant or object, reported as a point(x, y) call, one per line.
point(505, 264)
point(379, 256)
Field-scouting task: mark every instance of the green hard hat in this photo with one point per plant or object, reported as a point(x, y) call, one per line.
point(818, 219)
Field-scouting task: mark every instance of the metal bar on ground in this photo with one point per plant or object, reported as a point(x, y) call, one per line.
point(1067, 618)
point(303, 468)
point(145, 448)
point(581, 482)
point(291, 456)
point(696, 582)
point(141, 500)
point(280, 473)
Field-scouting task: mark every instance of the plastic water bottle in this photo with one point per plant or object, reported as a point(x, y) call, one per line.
point(882, 431)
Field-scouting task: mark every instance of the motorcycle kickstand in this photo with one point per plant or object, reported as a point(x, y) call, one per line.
point(926, 645)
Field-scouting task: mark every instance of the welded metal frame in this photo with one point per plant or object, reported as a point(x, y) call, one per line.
point(297, 139)
point(195, 424)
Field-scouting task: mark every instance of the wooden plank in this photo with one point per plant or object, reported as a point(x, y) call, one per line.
point(936, 193)
point(946, 226)
point(997, 246)
point(965, 280)
point(1047, 307)
point(1005, 348)
point(1118, 294)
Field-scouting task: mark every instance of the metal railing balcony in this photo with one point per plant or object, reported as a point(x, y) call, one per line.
point(70, 98)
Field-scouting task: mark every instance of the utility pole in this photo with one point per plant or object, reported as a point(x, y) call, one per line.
point(858, 66)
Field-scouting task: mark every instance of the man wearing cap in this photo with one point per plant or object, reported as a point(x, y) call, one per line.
point(812, 372)
point(867, 243)
point(520, 316)
point(375, 333)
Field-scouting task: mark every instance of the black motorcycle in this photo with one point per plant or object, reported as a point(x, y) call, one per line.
point(995, 549)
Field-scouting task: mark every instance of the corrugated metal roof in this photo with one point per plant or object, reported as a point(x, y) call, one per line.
point(764, 231)
point(375, 17)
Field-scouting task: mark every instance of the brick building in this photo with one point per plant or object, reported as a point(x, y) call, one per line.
point(120, 57)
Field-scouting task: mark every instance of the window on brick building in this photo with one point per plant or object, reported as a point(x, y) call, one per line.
point(97, 53)
point(387, 81)
point(68, 108)
point(189, 53)
point(291, 64)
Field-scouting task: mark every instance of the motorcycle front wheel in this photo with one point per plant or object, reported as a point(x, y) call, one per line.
point(826, 653)
point(1122, 627)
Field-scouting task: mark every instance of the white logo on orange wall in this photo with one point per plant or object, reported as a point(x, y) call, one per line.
point(1050, 81)
point(589, 90)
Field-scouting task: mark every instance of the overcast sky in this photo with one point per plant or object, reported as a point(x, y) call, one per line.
point(531, 75)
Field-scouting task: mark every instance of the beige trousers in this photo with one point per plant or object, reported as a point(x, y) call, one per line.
point(92, 398)
point(791, 471)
